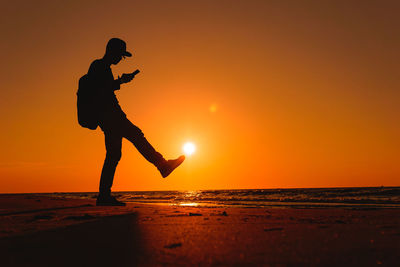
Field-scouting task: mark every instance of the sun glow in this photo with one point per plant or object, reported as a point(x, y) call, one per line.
point(189, 148)
point(189, 204)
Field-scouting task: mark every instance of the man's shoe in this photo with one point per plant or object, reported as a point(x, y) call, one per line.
point(109, 201)
point(168, 166)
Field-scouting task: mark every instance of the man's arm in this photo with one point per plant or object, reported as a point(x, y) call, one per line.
point(117, 84)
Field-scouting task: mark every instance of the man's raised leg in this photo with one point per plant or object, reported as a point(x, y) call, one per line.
point(136, 136)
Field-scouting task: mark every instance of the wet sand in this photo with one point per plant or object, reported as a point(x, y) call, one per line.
point(45, 231)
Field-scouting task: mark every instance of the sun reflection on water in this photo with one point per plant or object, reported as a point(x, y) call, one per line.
point(189, 204)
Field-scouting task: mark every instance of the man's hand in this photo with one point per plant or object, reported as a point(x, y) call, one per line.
point(126, 78)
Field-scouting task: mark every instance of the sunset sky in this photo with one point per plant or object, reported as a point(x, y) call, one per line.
point(274, 94)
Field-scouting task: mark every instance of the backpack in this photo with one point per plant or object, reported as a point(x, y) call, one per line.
point(87, 103)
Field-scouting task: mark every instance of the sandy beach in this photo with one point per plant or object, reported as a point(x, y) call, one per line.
point(47, 231)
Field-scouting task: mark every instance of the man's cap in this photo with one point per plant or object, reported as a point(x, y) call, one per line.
point(116, 45)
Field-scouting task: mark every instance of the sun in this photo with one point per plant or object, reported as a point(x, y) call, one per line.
point(189, 148)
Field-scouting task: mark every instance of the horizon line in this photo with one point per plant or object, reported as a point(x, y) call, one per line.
point(238, 189)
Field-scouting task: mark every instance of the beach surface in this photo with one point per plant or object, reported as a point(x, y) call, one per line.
point(52, 231)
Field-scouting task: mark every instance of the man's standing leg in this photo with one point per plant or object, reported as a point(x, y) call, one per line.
point(113, 142)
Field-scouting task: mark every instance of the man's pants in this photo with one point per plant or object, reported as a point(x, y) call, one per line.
point(114, 130)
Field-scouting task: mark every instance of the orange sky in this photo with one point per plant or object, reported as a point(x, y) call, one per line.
point(306, 94)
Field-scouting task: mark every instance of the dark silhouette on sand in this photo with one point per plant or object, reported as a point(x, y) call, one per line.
point(106, 112)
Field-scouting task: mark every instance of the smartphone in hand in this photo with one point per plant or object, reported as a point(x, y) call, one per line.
point(127, 77)
point(135, 72)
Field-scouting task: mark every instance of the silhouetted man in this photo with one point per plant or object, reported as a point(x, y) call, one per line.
point(115, 125)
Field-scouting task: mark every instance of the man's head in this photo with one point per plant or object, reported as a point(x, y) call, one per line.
point(116, 49)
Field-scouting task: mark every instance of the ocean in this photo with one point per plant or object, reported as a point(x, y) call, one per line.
point(356, 197)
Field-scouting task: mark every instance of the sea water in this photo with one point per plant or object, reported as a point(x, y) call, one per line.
point(358, 197)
